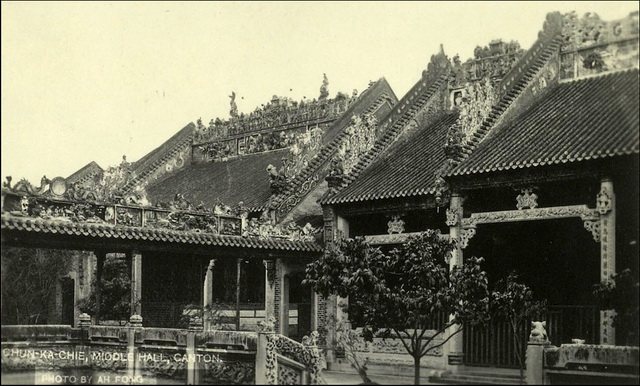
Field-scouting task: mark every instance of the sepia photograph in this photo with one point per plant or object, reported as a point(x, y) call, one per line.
point(332, 192)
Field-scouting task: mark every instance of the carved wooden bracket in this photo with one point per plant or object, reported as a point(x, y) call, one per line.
point(593, 226)
point(465, 236)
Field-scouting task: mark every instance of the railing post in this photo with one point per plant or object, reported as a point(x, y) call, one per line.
point(538, 340)
point(263, 367)
point(193, 365)
point(84, 323)
point(133, 367)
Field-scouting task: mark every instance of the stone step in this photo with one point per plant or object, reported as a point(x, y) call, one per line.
point(466, 379)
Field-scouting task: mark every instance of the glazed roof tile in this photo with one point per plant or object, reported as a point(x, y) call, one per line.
point(583, 119)
point(240, 179)
point(103, 230)
point(405, 169)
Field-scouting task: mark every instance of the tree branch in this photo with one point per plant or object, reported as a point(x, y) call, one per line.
point(427, 348)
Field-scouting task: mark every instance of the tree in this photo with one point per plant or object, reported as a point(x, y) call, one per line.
point(513, 302)
point(29, 277)
point(621, 294)
point(402, 292)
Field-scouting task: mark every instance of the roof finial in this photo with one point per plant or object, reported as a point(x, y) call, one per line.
point(441, 49)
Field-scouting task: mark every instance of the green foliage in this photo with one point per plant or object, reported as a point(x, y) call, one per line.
point(115, 293)
point(621, 294)
point(29, 278)
point(514, 303)
point(402, 292)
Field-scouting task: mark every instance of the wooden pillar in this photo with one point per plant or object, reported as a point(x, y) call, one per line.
point(136, 282)
point(100, 258)
point(606, 206)
point(454, 351)
point(238, 269)
point(269, 289)
point(207, 298)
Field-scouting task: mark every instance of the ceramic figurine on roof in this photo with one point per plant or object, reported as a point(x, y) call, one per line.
point(324, 89)
point(233, 112)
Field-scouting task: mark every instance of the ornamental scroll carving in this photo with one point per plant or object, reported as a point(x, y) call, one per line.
point(527, 199)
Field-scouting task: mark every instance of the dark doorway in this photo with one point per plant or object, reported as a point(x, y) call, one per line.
point(560, 261)
point(300, 305)
point(68, 300)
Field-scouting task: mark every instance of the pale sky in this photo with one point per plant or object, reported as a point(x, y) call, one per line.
point(93, 81)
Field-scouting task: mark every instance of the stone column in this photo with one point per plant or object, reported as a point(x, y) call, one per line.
point(606, 206)
point(454, 351)
point(207, 298)
point(283, 319)
point(100, 258)
point(269, 289)
point(136, 283)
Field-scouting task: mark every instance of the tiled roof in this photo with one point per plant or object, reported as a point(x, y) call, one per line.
point(240, 179)
point(579, 120)
point(146, 165)
point(368, 100)
point(88, 170)
point(405, 169)
point(104, 230)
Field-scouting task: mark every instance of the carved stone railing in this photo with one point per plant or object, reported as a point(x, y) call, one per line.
point(124, 215)
point(132, 352)
point(283, 361)
point(581, 363)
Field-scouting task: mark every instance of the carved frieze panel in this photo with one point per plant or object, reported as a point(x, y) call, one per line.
point(581, 211)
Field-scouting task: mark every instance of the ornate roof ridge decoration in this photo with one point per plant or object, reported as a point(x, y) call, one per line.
point(480, 116)
point(590, 30)
point(492, 61)
point(625, 141)
point(57, 226)
point(280, 113)
point(178, 214)
point(593, 46)
point(318, 167)
point(418, 103)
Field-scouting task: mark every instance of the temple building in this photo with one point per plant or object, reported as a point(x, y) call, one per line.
point(529, 158)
